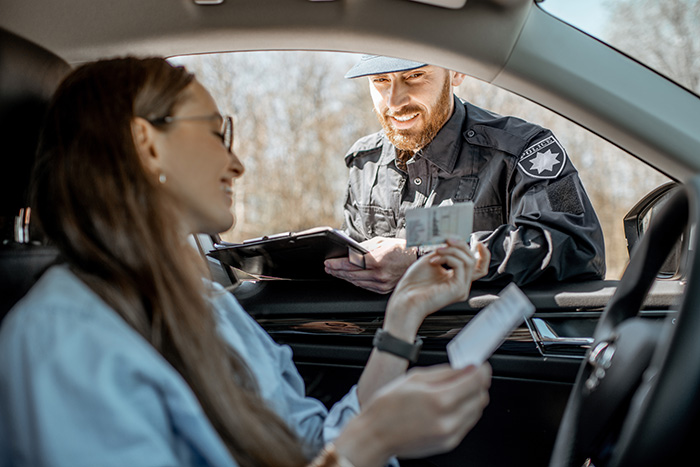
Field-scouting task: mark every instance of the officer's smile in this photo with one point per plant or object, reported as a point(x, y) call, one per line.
point(404, 122)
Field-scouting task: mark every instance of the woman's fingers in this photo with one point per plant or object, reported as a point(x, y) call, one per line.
point(461, 384)
point(431, 409)
point(438, 279)
point(455, 254)
point(463, 399)
point(483, 256)
point(468, 264)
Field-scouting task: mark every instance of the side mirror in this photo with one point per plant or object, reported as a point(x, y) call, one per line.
point(637, 222)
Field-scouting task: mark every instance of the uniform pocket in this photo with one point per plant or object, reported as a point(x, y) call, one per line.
point(378, 222)
point(487, 218)
point(467, 188)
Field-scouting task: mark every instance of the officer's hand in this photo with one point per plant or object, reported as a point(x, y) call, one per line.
point(385, 263)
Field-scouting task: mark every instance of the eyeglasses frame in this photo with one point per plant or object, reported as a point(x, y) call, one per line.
point(226, 125)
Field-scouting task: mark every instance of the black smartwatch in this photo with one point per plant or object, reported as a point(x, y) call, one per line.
point(388, 343)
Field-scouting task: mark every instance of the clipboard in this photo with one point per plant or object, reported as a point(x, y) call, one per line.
point(290, 255)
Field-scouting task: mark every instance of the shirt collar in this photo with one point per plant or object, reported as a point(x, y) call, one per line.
point(443, 150)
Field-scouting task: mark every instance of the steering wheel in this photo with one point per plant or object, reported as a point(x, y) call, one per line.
point(635, 399)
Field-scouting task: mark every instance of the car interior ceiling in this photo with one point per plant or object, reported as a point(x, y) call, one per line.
point(28, 76)
point(167, 28)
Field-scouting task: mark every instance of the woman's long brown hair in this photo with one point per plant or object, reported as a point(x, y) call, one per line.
point(117, 231)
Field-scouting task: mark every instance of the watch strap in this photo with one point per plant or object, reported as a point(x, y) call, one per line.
point(385, 342)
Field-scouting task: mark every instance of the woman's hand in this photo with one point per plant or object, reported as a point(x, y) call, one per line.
point(427, 411)
point(433, 282)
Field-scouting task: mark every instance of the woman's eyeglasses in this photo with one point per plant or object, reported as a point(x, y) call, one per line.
point(226, 132)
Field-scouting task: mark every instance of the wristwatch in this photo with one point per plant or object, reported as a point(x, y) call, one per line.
point(385, 342)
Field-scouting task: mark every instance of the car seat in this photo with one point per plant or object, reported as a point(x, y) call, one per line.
point(29, 75)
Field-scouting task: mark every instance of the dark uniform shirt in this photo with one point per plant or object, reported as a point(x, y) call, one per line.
point(530, 207)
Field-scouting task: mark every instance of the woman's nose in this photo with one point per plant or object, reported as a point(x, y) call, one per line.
point(236, 166)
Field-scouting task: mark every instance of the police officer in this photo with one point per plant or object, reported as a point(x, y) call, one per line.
point(530, 208)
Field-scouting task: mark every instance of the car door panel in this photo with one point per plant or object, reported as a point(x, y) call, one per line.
point(330, 325)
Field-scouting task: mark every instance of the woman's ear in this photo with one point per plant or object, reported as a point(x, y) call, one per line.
point(144, 135)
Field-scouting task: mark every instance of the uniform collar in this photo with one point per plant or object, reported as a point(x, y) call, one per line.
point(443, 150)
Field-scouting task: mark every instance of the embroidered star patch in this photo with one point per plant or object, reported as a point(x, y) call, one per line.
point(544, 159)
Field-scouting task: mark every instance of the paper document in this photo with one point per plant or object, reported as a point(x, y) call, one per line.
point(475, 343)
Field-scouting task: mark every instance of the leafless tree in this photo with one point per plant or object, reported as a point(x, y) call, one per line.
point(663, 34)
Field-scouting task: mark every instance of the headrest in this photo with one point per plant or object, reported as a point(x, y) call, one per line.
point(29, 75)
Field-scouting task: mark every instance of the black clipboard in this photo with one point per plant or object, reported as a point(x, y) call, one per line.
point(291, 255)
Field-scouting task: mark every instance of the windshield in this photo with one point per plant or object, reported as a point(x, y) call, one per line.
point(664, 35)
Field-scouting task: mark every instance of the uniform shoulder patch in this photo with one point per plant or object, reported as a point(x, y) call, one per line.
point(544, 159)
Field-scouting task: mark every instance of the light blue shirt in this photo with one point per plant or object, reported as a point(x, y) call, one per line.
point(78, 386)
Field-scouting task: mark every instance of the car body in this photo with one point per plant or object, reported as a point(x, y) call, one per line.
point(512, 44)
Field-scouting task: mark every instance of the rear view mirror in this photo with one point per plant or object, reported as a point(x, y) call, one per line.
point(637, 222)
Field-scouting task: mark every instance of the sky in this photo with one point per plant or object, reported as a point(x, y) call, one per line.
point(588, 15)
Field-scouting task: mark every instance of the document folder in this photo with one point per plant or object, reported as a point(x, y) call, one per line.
point(290, 255)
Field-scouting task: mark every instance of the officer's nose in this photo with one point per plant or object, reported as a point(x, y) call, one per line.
point(397, 95)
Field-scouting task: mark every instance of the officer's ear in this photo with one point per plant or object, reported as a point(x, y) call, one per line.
point(457, 78)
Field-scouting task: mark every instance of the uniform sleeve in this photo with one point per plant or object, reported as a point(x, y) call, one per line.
point(552, 232)
point(351, 216)
point(362, 160)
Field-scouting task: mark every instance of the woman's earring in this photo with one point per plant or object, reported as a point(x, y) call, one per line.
point(161, 178)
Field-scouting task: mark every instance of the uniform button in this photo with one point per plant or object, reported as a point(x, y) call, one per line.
point(417, 181)
point(470, 133)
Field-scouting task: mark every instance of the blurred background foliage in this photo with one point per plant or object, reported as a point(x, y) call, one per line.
point(296, 116)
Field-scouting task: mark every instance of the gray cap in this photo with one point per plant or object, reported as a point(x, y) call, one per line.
point(377, 65)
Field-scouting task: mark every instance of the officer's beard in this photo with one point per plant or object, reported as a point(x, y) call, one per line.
point(412, 140)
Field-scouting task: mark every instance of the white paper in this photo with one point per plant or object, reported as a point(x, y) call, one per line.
point(480, 338)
